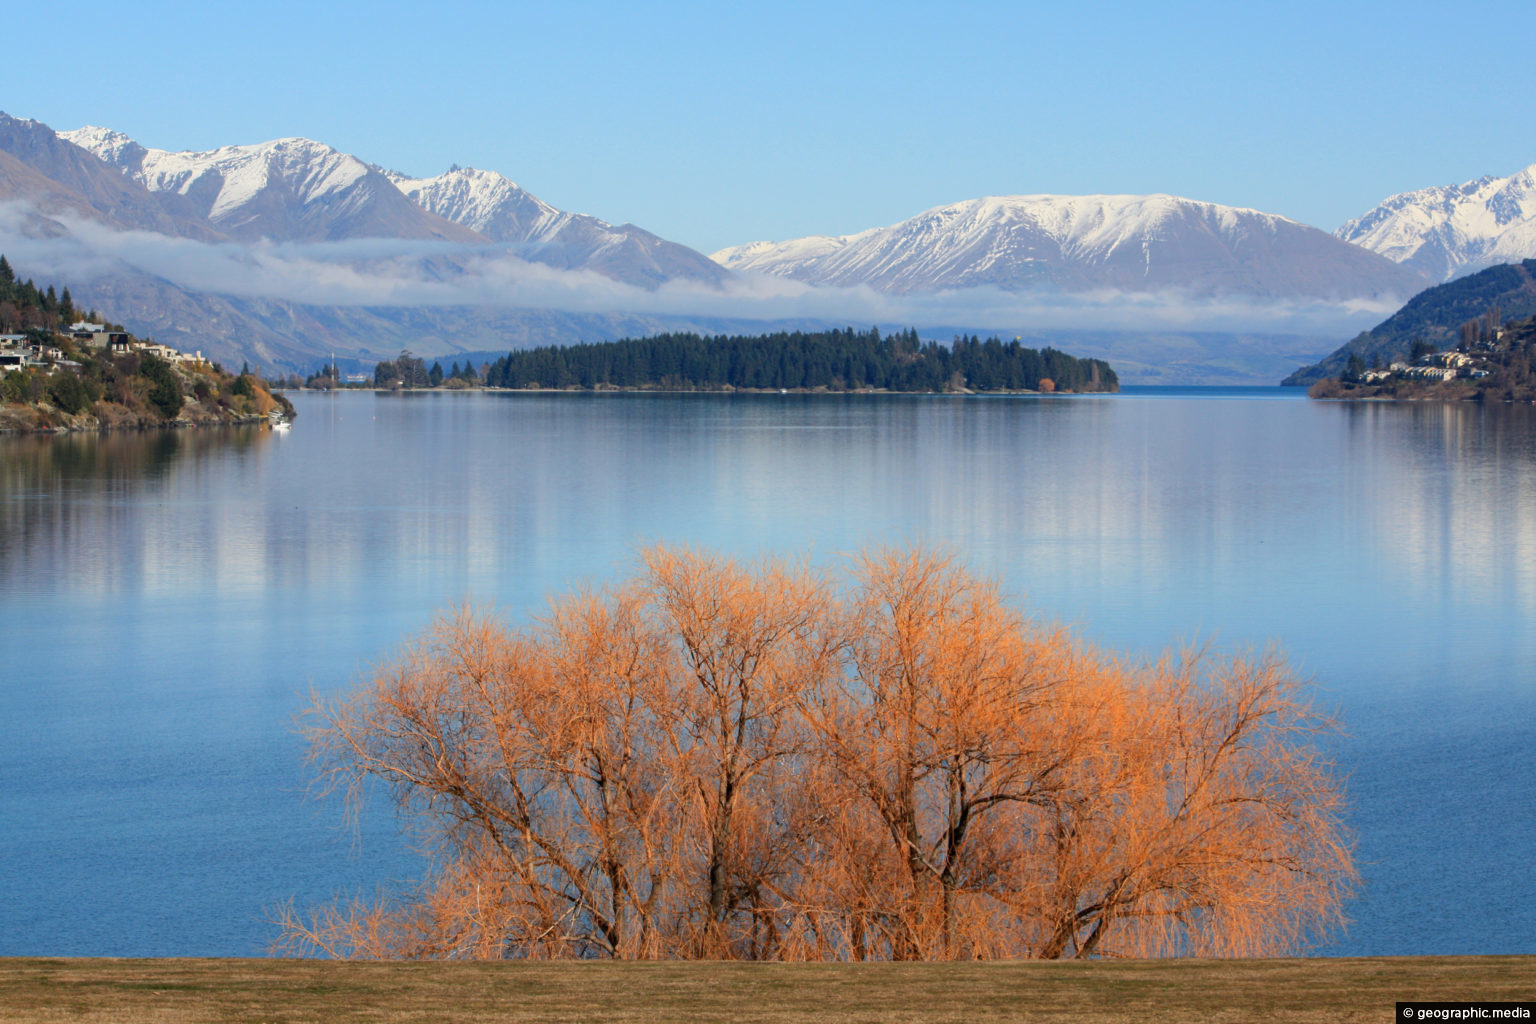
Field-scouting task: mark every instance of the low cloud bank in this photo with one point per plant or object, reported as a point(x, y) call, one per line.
point(389, 272)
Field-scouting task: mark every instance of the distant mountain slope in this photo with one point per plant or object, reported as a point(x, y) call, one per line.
point(1453, 229)
point(60, 177)
point(283, 190)
point(41, 200)
point(1436, 316)
point(1078, 243)
point(499, 209)
point(280, 336)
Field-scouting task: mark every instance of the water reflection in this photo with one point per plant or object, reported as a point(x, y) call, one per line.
point(471, 493)
point(73, 506)
point(1454, 490)
point(180, 591)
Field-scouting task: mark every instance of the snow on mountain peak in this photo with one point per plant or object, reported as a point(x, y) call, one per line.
point(233, 175)
point(1132, 242)
point(310, 170)
point(499, 209)
point(289, 188)
point(1449, 230)
point(484, 201)
point(112, 146)
point(300, 189)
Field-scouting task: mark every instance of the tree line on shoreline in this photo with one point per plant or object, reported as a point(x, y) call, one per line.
point(886, 762)
point(834, 360)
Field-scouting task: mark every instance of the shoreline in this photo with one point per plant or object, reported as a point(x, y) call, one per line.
point(485, 389)
point(11, 423)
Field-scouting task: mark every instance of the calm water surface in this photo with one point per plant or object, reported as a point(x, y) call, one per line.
point(168, 603)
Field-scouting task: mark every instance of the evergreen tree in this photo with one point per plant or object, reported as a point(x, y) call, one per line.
point(836, 360)
point(165, 391)
point(413, 371)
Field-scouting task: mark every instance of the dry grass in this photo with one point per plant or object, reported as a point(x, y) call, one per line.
point(292, 991)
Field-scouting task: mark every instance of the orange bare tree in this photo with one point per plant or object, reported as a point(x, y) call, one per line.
point(1198, 825)
point(940, 732)
point(723, 760)
point(748, 643)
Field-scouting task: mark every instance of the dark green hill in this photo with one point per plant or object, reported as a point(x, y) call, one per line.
point(1435, 315)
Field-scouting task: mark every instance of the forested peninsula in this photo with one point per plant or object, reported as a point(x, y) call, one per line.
point(63, 368)
point(835, 360)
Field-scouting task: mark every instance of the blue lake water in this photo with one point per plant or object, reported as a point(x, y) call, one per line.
point(169, 602)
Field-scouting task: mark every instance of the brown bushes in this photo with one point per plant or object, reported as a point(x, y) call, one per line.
point(763, 762)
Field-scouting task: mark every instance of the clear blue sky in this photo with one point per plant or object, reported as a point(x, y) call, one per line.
point(713, 124)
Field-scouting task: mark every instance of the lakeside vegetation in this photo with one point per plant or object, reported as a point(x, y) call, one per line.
point(1319, 991)
point(835, 360)
point(65, 369)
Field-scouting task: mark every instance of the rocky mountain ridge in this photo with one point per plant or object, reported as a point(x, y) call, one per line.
point(1450, 230)
point(502, 211)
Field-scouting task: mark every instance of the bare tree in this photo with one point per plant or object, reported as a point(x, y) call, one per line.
point(747, 761)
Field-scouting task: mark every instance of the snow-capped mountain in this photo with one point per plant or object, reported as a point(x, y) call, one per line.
point(301, 190)
point(483, 201)
point(283, 190)
point(54, 177)
point(499, 209)
point(1450, 230)
point(1078, 243)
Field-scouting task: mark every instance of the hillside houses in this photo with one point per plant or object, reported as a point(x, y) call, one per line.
point(20, 351)
point(1434, 366)
point(96, 336)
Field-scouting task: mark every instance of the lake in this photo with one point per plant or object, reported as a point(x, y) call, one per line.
point(169, 602)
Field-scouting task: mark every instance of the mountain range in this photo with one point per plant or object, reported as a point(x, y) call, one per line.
point(286, 251)
point(295, 190)
point(1077, 243)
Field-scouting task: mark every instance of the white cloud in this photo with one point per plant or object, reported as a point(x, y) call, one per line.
point(388, 272)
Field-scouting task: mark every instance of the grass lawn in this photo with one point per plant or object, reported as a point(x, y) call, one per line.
point(275, 991)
